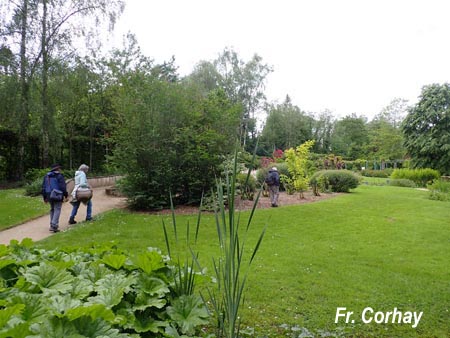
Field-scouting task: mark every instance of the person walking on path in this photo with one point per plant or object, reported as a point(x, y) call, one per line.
point(54, 191)
point(273, 182)
point(80, 182)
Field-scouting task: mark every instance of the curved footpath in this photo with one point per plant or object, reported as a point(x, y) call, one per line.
point(38, 228)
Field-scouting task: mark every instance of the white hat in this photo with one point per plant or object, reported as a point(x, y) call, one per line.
point(274, 169)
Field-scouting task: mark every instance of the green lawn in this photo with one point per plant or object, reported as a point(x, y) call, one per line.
point(381, 247)
point(15, 208)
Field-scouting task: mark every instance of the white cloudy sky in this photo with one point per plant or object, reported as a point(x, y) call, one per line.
point(348, 56)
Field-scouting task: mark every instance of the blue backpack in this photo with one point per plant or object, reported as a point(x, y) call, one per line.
point(50, 183)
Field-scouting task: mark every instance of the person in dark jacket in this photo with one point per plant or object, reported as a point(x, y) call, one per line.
point(54, 180)
point(273, 183)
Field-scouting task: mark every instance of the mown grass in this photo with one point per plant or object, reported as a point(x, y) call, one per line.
point(15, 208)
point(380, 247)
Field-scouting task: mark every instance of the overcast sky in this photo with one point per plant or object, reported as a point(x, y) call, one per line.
point(347, 56)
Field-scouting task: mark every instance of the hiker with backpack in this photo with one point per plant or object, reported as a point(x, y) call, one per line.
point(54, 191)
point(273, 183)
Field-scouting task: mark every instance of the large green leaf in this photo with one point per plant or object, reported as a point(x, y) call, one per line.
point(188, 311)
point(143, 322)
point(114, 261)
point(150, 292)
point(6, 262)
point(81, 288)
point(94, 311)
point(94, 272)
point(20, 330)
point(149, 261)
point(35, 306)
point(144, 301)
point(96, 328)
point(49, 278)
point(152, 285)
point(7, 313)
point(55, 328)
point(111, 289)
point(60, 304)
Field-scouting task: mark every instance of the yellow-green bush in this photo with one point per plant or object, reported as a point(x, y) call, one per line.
point(421, 177)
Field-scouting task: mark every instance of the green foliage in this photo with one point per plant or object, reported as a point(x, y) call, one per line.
point(385, 135)
point(421, 177)
point(71, 293)
point(335, 180)
point(246, 187)
point(232, 266)
point(402, 182)
point(426, 129)
point(286, 126)
point(34, 188)
point(350, 137)
point(170, 142)
point(385, 173)
point(297, 162)
point(439, 190)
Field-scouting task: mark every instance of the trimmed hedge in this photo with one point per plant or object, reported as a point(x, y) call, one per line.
point(421, 177)
point(334, 180)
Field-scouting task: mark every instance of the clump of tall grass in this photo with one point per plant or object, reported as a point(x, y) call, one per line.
point(232, 267)
point(440, 190)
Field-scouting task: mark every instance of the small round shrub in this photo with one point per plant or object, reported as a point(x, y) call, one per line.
point(334, 180)
point(402, 182)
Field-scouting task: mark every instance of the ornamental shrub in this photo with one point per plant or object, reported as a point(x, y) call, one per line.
point(334, 180)
point(421, 177)
point(440, 190)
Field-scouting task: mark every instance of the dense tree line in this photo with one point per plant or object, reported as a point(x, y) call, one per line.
point(123, 113)
point(352, 137)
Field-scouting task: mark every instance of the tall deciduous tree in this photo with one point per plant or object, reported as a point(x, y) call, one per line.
point(427, 129)
point(244, 84)
point(44, 29)
point(385, 136)
point(286, 125)
point(322, 131)
point(350, 137)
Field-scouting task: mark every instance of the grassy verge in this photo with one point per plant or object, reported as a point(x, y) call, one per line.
point(379, 247)
point(15, 208)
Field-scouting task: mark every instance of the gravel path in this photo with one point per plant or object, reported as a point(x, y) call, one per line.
point(38, 228)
